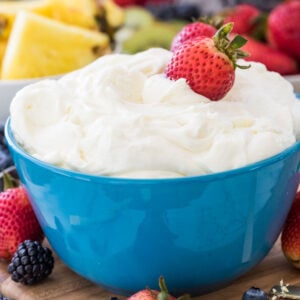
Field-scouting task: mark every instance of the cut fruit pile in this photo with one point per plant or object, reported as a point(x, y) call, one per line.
point(273, 34)
point(50, 37)
point(152, 26)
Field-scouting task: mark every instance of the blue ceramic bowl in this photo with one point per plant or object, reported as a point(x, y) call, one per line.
point(199, 232)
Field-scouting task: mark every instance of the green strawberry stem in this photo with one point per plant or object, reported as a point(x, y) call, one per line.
point(215, 21)
point(9, 181)
point(230, 47)
point(164, 293)
point(162, 284)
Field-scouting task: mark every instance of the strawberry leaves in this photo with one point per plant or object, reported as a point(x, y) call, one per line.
point(230, 47)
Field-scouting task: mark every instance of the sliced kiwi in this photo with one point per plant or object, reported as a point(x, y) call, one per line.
point(137, 17)
point(158, 34)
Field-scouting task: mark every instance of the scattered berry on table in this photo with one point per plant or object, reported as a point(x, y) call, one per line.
point(18, 221)
point(31, 263)
point(150, 294)
point(290, 236)
point(255, 293)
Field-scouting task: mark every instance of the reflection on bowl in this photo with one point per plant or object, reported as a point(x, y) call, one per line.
point(199, 232)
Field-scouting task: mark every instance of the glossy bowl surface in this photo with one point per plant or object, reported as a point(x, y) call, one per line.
point(199, 232)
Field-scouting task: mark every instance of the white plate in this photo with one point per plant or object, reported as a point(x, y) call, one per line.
point(8, 89)
point(295, 81)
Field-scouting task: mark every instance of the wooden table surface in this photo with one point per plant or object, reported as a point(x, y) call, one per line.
point(63, 284)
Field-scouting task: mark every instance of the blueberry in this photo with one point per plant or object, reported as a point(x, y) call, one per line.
point(188, 12)
point(255, 293)
point(266, 5)
point(5, 160)
point(167, 12)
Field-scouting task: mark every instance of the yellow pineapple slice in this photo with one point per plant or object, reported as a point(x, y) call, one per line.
point(9, 9)
point(2, 51)
point(75, 12)
point(115, 15)
point(102, 15)
point(39, 46)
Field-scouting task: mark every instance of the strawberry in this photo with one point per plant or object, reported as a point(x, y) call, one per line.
point(243, 16)
point(283, 28)
point(273, 59)
point(208, 64)
point(124, 3)
point(149, 294)
point(17, 220)
point(290, 236)
point(191, 31)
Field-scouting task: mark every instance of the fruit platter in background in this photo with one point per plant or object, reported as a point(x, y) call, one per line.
point(74, 33)
point(273, 36)
point(271, 28)
point(49, 37)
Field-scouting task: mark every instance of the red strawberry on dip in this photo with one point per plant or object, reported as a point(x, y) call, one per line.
point(208, 63)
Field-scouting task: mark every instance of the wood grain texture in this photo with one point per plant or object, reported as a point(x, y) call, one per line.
point(63, 284)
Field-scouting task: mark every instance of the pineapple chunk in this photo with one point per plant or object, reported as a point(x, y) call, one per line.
point(2, 50)
point(102, 15)
point(115, 15)
point(39, 46)
point(9, 9)
point(75, 12)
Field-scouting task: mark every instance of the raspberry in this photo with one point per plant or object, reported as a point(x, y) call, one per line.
point(31, 263)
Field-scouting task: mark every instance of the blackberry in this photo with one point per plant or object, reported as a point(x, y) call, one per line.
point(31, 263)
point(255, 293)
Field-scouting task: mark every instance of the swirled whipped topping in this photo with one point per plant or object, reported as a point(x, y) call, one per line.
point(120, 116)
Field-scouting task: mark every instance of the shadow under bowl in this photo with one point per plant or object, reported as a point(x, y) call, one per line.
point(199, 232)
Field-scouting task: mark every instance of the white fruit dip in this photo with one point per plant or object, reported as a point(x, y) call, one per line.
point(120, 116)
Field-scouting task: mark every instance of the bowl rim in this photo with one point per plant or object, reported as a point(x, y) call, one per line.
point(13, 144)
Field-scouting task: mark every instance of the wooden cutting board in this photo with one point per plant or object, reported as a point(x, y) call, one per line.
point(63, 284)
